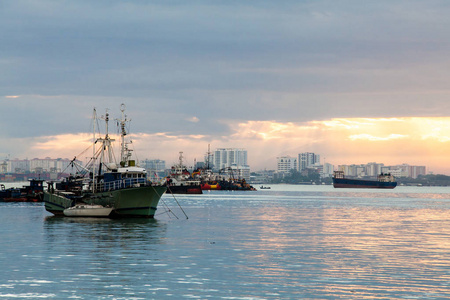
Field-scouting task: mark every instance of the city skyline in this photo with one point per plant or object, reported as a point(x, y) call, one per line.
point(27, 164)
point(354, 81)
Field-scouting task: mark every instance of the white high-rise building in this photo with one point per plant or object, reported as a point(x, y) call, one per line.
point(286, 163)
point(235, 158)
point(327, 170)
point(37, 165)
point(410, 171)
point(228, 157)
point(307, 160)
point(373, 169)
point(153, 165)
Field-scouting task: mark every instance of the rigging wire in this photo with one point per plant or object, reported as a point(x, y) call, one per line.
point(71, 163)
point(177, 202)
point(167, 208)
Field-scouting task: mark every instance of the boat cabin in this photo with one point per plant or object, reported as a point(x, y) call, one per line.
point(123, 178)
point(338, 174)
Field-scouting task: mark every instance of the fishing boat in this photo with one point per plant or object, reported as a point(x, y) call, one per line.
point(180, 180)
point(12, 194)
point(384, 181)
point(28, 193)
point(123, 187)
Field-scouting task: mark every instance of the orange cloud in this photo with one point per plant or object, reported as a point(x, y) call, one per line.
point(368, 137)
point(269, 130)
point(419, 141)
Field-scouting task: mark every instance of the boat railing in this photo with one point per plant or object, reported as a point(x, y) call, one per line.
point(120, 184)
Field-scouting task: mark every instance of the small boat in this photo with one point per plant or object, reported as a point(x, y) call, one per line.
point(264, 187)
point(88, 210)
point(384, 181)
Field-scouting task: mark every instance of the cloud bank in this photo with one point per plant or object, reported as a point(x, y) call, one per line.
point(274, 77)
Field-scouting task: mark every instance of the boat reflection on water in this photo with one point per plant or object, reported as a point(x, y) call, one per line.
point(58, 220)
point(91, 232)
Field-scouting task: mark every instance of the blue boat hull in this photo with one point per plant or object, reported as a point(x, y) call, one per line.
point(366, 184)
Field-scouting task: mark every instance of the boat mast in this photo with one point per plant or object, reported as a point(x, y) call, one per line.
point(209, 155)
point(106, 143)
point(106, 146)
point(181, 161)
point(94, 118)
point(107, 140)
point(124, 152)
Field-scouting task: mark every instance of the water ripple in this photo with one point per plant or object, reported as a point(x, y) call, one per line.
point(285, 243)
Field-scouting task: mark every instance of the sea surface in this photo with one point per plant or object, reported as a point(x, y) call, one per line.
point(289, 242)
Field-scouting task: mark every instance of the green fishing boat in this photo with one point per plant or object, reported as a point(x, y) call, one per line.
point(124, 187)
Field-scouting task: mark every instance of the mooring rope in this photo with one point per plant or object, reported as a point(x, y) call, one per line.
point(177, 202)
point(167, 209)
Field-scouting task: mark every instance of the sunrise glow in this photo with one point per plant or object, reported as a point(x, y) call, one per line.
point(419, 141)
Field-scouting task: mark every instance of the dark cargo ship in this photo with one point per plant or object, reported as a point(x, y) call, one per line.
point(384, 181)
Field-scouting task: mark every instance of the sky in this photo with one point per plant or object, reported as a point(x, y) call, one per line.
point(353, 81)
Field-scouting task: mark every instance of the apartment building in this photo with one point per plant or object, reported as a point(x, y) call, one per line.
point(286, 163)
point(234, 159)
point(307, 160)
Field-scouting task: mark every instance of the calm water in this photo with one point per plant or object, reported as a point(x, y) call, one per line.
point(290, 242)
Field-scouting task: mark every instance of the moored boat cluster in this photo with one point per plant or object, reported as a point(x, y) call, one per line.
point(181, 181)
point(104, 188)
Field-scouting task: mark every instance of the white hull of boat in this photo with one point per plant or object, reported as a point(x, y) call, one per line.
point(96, 211)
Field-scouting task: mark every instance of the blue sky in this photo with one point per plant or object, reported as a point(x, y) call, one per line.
point(199, 72)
